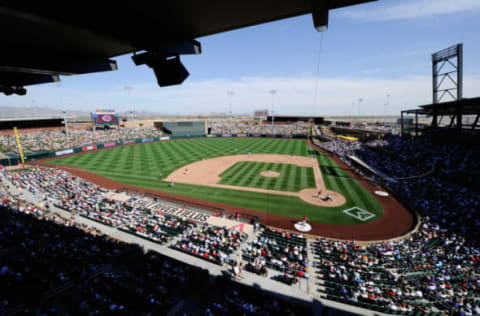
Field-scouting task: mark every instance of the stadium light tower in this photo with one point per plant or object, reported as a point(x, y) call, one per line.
point(65, 121)
point(230, 95)
point(386, 104)
point(128, 89)
point(273, 92)
point(360, 100)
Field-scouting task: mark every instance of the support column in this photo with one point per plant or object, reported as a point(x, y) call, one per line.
point(459, 120)
point(460, 72)
point(434, 120)
point(434, 82)
point(475, 122)
point(416, 123)
point(452, 121)
point(401, 123)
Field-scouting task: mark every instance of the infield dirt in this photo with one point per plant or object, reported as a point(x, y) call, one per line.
point(207, 173)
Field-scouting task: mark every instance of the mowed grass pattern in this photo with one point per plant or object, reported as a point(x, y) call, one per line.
point(142, 164)
point(292, 178)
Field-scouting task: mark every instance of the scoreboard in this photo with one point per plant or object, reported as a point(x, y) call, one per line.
point(105, 118)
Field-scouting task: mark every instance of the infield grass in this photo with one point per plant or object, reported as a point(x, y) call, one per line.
point(292, 178)
point(142, 164)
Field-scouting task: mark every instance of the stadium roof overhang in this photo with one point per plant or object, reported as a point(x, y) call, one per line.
point(42, 40)
point(453, 109)
point(464, 106)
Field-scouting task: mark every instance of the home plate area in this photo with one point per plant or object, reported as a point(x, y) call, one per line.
point(359, 213)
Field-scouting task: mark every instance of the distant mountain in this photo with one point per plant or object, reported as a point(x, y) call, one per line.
point(35, 111)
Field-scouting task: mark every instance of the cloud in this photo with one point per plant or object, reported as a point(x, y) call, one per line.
point(411, 9)
point(295, 95)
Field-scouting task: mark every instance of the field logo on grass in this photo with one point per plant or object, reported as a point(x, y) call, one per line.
point(359, 213)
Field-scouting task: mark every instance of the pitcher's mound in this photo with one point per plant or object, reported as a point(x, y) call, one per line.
point(311, 196)
point(270, 174)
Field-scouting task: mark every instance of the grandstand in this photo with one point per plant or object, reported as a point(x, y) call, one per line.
point(200, 215)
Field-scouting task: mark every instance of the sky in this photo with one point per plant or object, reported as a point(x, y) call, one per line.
point(378, 52)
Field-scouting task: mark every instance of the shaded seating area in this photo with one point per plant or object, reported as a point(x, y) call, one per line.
point(282, 251)
point(211, 243)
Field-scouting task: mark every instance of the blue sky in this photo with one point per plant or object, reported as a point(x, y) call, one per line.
point(370, 51)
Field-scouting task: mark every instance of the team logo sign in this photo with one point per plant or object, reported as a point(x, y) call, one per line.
point(107, 118)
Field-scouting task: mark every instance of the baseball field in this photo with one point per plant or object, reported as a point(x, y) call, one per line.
point(274, 176)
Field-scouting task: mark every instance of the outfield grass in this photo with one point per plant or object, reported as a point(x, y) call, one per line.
point(142, 164)
point(292, 178)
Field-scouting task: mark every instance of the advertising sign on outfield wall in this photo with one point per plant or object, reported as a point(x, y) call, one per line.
point(165, 138)
point(256, 135)
point(64, 152)
point(87, 148)
point(147, 140)
point(129, 142)
point(226, 135)
point(241, 135)
point(107, 145)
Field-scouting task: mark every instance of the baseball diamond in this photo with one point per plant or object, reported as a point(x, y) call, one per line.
point(141, 165)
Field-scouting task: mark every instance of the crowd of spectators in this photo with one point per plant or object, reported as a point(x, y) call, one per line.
point(52, 265)
point(212, 243)
point(340, 146)
point(436, 268)
point(238, 299)
point(282, 251)
point(436, 179)
point(52, 140)
point(253, 127)
point(430, 270)
point(73, 194)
